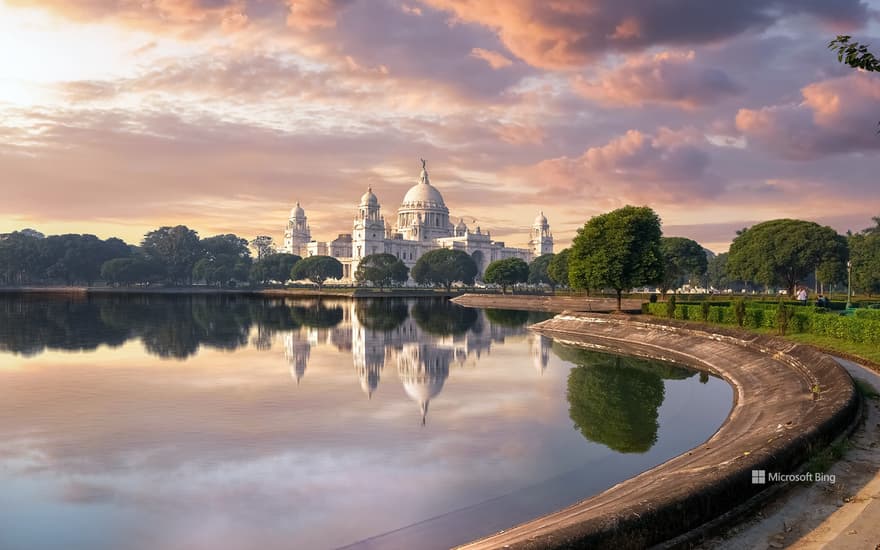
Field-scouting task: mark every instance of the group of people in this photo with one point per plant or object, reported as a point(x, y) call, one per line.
point(802, 295)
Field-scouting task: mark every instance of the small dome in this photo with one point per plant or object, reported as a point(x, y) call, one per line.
point(297, 211)
point(369, 199)
point(461, 225)
point(541, 219)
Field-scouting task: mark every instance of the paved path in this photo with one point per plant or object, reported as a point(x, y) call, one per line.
point(845, 515)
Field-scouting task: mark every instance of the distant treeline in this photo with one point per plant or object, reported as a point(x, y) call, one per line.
point(619, 250)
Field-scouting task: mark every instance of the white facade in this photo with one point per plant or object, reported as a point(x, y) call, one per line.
point(422, 224)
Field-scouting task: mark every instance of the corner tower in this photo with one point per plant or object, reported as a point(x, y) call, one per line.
point(297, 234)
point(541, 241)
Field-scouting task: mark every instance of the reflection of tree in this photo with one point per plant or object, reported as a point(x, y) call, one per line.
point(513, 318)
point(30, 325)
point(443, 318)
point(317, 315)
point(382, 315)
point(613, 400)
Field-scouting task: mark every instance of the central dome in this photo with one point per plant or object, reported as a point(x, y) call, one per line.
point(423, 194)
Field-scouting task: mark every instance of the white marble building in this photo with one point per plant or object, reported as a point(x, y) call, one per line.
point(422, 224)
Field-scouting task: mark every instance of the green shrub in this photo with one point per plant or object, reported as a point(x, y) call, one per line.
point(739, 312)
point(705, 307)
point(670, 307)
point(783, 316)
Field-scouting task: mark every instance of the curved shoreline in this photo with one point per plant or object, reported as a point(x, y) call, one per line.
point(776, 421)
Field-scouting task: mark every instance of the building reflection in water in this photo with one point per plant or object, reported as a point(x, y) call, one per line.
point(423, 345)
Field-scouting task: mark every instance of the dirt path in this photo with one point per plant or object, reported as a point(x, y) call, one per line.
point(843, 515)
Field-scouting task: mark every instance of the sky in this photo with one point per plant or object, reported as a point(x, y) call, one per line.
point(120, 116)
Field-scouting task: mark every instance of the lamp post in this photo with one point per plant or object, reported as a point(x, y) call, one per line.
point(848, 284)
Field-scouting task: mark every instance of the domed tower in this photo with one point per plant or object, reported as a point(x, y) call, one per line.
point(297, 233)
point(368, 234)
point(541, 241)
point(423, 214)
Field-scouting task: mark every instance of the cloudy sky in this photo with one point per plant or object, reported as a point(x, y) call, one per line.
point(117, 116)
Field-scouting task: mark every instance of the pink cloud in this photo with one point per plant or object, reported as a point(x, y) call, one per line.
point(664, 168)
point(674, 78)
point(838, 115)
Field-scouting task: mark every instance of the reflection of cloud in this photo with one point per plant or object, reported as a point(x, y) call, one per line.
point(79, 492)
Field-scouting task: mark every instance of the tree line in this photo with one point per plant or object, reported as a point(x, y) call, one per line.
point(616, 251)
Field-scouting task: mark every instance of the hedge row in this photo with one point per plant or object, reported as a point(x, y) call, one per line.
point(862, 328)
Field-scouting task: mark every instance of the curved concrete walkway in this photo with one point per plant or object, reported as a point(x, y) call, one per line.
point(844, 515)
point(777, 420)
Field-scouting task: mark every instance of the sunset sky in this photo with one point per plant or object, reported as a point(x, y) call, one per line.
point(118, 116)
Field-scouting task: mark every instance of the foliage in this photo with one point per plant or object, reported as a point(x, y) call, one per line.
point(274, 267)
point(557, 269)
point(865, 257)
point(619, 250)
point(538, 271)
point(716, 269)
point(784, 252)
point(383, 314)
point(783, 316)
point(854, 54)
point(682, 259)
point(512, 318)
point(859, 329)
point(670, 307)
point(443, 318)
point(739, 312)
point(264, 245)
point(177, 248)
point(317, 269)
point(129, 271)
point(614, 404)
point(445, 266)
point(381, 270)
point(506, 272)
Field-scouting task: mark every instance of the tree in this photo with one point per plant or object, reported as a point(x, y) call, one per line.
point(444, 267)
point(784, 252)
point(76, 258)
point(558, 267)
point(619, 250)
point(854, 54)
point(865, 255)
point(178, 249)
point(275, 267)
point(682, 259)
point(317, 269)
point(716, 268)
point(538, 271)
point(128, 271)
point(264, 245)
point(506, 272)
point(381, 270)
point(226, 245)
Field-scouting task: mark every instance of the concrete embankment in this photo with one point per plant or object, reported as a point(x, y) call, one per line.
point(790, 400)
point(331, 292)
point(553, 304)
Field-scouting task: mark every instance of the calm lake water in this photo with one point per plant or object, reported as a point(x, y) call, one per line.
point(233, 423)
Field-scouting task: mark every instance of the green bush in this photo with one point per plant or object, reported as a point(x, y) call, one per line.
point(705, 307)
point(860, 328)
point(670, 307)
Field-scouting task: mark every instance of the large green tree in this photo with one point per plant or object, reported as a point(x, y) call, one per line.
point(538, 271)
point(865, 257)
point(682, 259)
point(317, 269)
point(273, 268)
point(381, 270)
point(618, 250)
point(445, 266)
point(784, 252)
point(557, 269)
point(716, 269)
point(506, 272)
point(178, 249)
point(129, 271)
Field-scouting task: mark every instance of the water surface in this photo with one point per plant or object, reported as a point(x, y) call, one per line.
point(227, 423)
